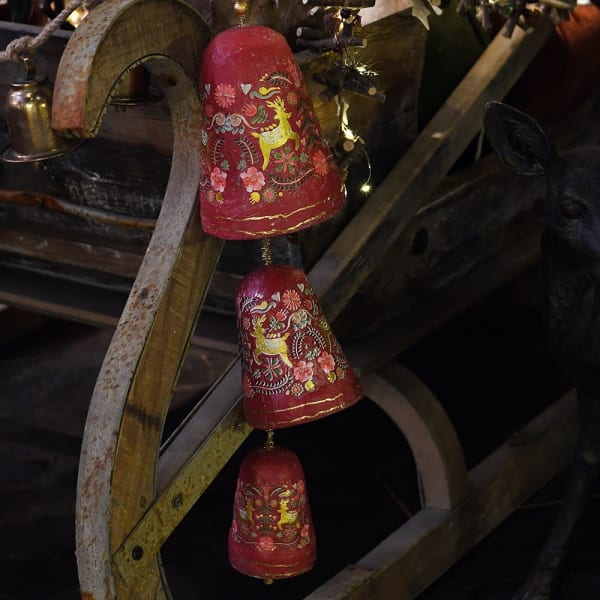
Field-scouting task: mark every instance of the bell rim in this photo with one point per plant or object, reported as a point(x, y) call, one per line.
point(10, 155)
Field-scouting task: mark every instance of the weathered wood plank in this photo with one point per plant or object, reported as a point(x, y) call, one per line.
point(374, 228)
point(117, 467)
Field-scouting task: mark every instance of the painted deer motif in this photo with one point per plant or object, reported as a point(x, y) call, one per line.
point(268, 345)
point(247, 512)
point(287, 516)
point(276, 136)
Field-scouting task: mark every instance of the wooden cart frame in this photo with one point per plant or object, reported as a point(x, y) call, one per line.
point(130, 498)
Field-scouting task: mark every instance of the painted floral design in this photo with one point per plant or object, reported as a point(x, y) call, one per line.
point(287, 345)
point(224, 95)
point(320, 163)
point(303, 371)
point(285, 160)
point(249, 109)
point(291, 299)
point(269, 195)
point(218, 179)
point(266, 544)
point(326, 362)
point(252, 179)
point(269, 123)
point(270, 517)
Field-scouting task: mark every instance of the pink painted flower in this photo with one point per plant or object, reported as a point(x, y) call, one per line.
point(280, 315)
point(218, 179)
point(326, 361)
point(249, 110)
point(253, 179)
point(305, 530)
point(234, 527)
point(300, 486)
point(303, 371)
point(224, 95)
point(291, 299)
point(320, 162)
point(266, 544)
point(209, 110)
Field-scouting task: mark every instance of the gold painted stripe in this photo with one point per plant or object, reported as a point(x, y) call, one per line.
point(279, 230)
point(313, 403)
point(277, 216)
point(313, 416)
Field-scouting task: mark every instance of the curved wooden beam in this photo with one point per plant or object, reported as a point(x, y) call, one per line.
point(427, 429)
point(113, 38)
point(117, 469)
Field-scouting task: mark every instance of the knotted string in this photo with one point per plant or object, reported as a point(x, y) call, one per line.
point(27, 45)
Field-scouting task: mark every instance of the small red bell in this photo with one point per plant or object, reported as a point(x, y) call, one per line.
point(294, 370)
point(272, 535)
point(266, 168)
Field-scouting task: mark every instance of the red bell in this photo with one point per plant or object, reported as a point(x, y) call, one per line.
point(272, 535)
point(294, 370)
point(266, 168)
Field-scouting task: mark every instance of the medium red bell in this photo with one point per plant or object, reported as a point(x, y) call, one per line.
point(294, 370)
point(272, 535)
point(266, 168)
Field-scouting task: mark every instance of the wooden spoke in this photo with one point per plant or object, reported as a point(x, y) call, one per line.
point(427, 429)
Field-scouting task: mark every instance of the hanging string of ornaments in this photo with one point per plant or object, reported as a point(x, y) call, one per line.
point(267, 171)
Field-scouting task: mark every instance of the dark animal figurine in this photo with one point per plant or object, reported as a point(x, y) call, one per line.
point(570, 268)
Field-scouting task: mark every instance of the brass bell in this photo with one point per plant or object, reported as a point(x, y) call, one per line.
point(27, 109)
point(133, 89)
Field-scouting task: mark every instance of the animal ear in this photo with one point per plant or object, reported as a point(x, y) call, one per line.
point(519, 142)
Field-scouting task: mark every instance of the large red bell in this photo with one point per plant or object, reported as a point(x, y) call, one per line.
point(266, 168)
point(271, 535)
point(294, 370)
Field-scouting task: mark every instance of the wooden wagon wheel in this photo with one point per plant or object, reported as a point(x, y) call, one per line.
point(129, 501)
point(128, 408)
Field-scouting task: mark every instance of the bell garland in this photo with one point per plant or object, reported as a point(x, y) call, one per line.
point(267, 171)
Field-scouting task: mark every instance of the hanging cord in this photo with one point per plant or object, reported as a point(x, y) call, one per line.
point(28, 44)
point(265, 248)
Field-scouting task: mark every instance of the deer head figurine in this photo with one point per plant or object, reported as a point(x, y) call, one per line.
point(570, 268)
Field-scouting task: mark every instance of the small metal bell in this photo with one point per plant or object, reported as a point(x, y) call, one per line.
point(27, 109)
point(133, 89)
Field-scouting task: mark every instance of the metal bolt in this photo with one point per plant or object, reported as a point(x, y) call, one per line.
point(177, 501)
point(137, 553)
